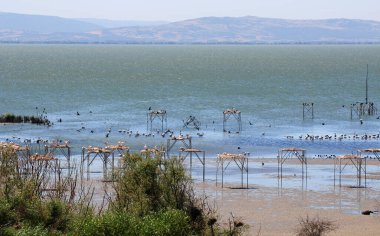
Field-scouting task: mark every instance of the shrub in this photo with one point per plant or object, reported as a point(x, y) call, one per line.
point(21, 202)
point(11, 118)
point(32, 231)
point(7, 217)
point(169, 222)
point(153, 197)
point(151, 185)
point(57, 215)
point(110, 223)
point(314, 226)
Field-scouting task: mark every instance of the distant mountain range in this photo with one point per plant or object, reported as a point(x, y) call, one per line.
point(120, 23)
point(26, 24)
point(20, 28)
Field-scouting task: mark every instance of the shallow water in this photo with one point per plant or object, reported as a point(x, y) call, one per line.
point(112, 87)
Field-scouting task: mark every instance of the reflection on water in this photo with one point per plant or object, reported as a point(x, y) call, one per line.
point(317, 191)
point(101, 94)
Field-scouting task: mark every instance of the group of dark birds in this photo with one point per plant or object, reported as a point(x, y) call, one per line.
point(166, 133)
point(335, 136)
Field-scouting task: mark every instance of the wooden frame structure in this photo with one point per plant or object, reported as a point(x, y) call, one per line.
point(286, 153)
point(308, 110)
point(186, 141)
point(189, 152)
point(192, 121)
point(120, 148)
point(364, 108)
point(374, 151)
point(22, 153)
point(360, 164)
point(240, 160)
point(228, 113)
point(361, 109)
point(90, 153)
point(106, 155)
point(44, 167)
point(48, 169)
point(152, 115)
point(63, 149)
point(152, 152)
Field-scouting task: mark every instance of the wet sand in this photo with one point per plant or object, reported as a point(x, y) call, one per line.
point(272, 210)
point(277, 211)
point(310, 161)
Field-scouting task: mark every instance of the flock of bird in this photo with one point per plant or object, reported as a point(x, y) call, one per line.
point(169, 133)
point(337, 137)
point(135, 134)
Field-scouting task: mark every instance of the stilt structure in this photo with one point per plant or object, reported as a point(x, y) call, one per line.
point(186, 141)
point(370, 151)
point(55, 149)
point(106, 155)
point(236, 114)
point(225, 159)
point(308, 110)
point(366, 108)
point(89, 155)
point(161, 115)
point(358, 162)
point(360, 109)
point(45, 168)
point(287, 153)
point(120, 148)
point(201, 155)
point(22, 153)
point(192, 122)
point(152, 152)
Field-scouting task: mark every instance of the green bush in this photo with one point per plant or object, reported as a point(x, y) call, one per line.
point(58, 215)
point(25, 231)
point(110, 223)
point(152, 197)
point(26, 203)
point(170, 222)
point(11, 118)
point(314, 226)
point(7, 216)
point(32, 231)
point(147, 185)
point(151, 185)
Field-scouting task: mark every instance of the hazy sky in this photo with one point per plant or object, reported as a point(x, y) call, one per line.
point(175, 10)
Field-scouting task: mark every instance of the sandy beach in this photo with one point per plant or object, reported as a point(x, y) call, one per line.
point(277, 211)
point(310, 161)
point(273, 211)
point(269, 209)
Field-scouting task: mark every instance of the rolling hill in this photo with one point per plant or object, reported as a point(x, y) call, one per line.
point(18, 28)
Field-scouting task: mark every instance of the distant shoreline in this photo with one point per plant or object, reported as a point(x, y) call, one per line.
point(187, 43)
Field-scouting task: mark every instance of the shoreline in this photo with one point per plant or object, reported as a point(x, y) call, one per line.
point(273, 211)
point(310, 161)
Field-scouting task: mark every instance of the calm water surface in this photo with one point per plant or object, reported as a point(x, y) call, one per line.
point(112, 87)
point(118, 84)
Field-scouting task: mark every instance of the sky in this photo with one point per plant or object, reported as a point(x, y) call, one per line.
point(177, 10)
